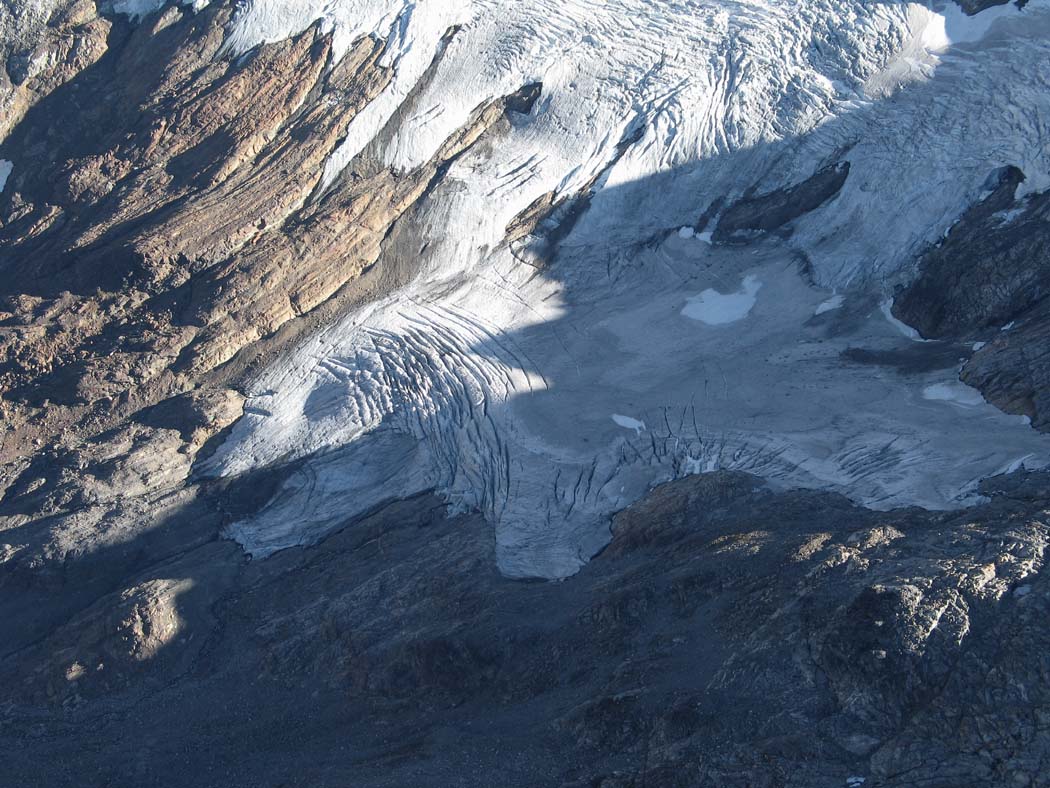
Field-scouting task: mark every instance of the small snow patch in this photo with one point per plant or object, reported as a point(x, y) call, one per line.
point(694, 465)
point(1008, 326)
point(707, 237)
point(1005, 217)
point(956, 392)
point(716, 309)
point(686, 232)
point(5, 172)
point(904, 328)
point(628, 423)
point(978, 346)
point(831, 304)
point(854, 782)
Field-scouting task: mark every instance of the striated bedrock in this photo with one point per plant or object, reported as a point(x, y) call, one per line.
point(174, 222)
point(728, 636)
point(350, 253)
point(164, 226)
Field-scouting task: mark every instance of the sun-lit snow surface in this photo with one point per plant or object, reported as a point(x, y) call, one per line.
point(495, 385)
point(137, 9)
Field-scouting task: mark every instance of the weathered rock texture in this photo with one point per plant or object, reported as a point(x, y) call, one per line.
point(755, 216)
point(728, 636)
point(44, 44)
point(988, 281)
point(972, 7)
point(163, 226)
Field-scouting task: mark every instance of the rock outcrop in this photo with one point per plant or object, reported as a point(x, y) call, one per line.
point(729, 635)
point(43, 45)
point(162, 228)
point(988, 282)
point(755, 216)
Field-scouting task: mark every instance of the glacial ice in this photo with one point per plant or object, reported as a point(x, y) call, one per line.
point(492, 384)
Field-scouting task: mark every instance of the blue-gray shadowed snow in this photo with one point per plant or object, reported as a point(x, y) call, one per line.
point(551, 381)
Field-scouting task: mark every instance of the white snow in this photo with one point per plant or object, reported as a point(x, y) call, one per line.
point(716, 309)
point(1021, 463)
point(491, 383)
point(886, 307)
point(628, 423)
point(137, 9)
point(952, 25)
point(724, 85)
point(1037, 177)
point(686, 232)
point(830, 304)
point(1008, 326)
point(1005, 217)
point(6, 168)
point(955, 392)
point(979, 346)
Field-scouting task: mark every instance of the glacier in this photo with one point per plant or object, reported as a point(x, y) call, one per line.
point(490, 377)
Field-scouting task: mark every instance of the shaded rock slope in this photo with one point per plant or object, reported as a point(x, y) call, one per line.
point(728, 636)
point(988, 282)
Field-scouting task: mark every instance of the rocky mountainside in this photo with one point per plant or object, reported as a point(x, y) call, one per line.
point(728, 635)
point(332, 333)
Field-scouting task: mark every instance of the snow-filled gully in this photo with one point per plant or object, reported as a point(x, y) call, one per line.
point(550, 399)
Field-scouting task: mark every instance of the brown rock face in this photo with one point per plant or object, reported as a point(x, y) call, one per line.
point(163, 227)
point(43, 47)
point(1013, 370)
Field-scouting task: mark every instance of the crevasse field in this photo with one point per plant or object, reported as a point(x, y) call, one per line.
point(550, 390)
